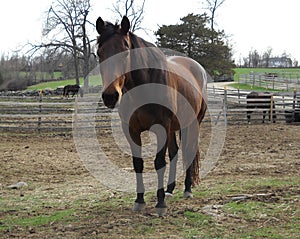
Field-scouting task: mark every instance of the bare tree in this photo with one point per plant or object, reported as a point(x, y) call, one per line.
point(65, 30)
point(132, 10)
point(266, 57)
point(212, 6)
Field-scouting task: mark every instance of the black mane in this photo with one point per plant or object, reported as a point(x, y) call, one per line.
point(138, 42)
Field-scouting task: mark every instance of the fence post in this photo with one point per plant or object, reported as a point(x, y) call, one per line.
point(271, 108)
point(75, 114)
point(40, 110)
point(294, 98)
point(225, 105)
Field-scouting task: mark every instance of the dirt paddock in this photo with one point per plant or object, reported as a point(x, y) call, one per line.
point(259, 166)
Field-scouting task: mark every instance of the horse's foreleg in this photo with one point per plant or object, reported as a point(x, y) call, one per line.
point(134, 139)
point(160, 167)
point(173, 154)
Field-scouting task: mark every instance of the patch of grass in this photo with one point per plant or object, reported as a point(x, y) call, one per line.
point(199, 225)
point(246, 210)
point(250, 87)
point(265, 220)
point(265, 232)
point(197, 219)
point(36, 220)
point(235, 186)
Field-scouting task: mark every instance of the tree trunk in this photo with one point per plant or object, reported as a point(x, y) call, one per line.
point(76, 66)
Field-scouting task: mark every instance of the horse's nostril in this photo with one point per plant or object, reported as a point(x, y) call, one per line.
point(110, 100)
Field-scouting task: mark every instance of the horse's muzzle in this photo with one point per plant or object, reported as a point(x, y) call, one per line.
point(110, 100)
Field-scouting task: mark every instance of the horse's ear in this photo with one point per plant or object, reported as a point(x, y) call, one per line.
point(125, 25)
point(100, 25)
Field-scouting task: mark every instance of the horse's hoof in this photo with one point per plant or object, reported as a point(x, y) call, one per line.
point(187, 195)
point(161, 211)
point(168, 195)
point(138, 207)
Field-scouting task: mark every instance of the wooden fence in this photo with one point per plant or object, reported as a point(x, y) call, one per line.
point(282, 107)
point(271, 81)
point(59, 114)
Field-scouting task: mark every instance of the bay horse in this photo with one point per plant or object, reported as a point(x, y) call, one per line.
point(74, 89)
point(263, 101)
point(155, 93)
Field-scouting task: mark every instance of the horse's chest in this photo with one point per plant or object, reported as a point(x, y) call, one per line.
point(146, 117)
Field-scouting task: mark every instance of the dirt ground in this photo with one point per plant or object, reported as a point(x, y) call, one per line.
point(59, 182)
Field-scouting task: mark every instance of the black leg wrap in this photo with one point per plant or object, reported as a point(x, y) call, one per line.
point(161, 199)
point(140, 198)
point(171, 187)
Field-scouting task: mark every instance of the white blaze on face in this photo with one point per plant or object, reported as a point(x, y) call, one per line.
point(119, 90)
point(116, 86)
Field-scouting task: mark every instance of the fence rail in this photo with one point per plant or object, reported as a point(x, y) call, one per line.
point(58, 114)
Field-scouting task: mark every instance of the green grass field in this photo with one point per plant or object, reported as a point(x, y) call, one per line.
point(289, 73)
point(93, 81)
point(96, 80)
point(294, 72)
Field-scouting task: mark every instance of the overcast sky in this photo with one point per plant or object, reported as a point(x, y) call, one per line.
point(252, 24)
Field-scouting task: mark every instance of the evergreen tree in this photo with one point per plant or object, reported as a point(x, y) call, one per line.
point(193, 37)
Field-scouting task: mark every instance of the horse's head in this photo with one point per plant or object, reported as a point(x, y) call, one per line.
point(113, 40)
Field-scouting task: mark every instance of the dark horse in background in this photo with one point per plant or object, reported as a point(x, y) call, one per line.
point(121, 79)
point(73, 89)
point(261, 100)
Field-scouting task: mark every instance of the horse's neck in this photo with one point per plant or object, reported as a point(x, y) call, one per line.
point(148, 64)
point(135, 78)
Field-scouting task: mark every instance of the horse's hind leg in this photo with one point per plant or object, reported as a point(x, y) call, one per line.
point(173, 154)
point(188, 179)
point(190, 154)
point(138, 165)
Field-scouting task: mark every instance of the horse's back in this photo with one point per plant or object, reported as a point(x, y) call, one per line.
point(190, 80)
point(190, 70)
